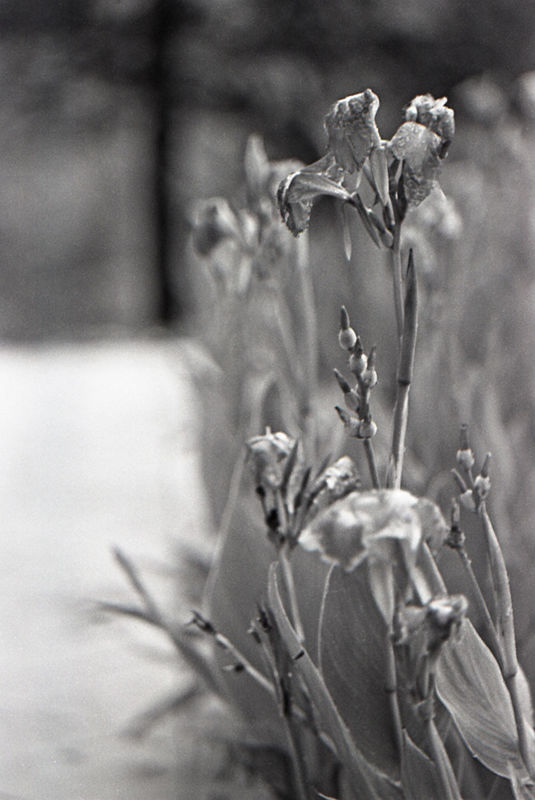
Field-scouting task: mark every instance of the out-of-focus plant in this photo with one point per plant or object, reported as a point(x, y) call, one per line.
point(353, 671)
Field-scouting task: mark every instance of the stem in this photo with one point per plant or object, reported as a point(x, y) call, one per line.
point(297, 758)
point(482, 606)
point(442, 762)
point(244, 663)
point(289, 583)
point(404, 378)
point(309, 312)
point(391, 689)
point(372, 464)
point(397, 277)
point(399, 432)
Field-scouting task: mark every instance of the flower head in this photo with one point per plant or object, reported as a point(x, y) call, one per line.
point(371, 525)
point(268, 455)
point(352, 131)
point(435, 115)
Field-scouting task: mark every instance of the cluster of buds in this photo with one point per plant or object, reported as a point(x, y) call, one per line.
point(474, 488)
point(357, 419)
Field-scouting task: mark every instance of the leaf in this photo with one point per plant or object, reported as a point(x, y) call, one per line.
point(419, 776)
point(469, 683)
point(353, 661)
point(368, 783)
point(236, 586)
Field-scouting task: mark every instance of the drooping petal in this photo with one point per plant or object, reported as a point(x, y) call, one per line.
point(300, 189)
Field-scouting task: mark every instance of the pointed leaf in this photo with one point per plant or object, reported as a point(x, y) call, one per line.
point(353, 661)
point(419, 776)
point(236, 586)
point(368, 783)
point(469, 683)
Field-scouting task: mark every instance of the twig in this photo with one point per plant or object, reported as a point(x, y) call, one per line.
point(241, 662)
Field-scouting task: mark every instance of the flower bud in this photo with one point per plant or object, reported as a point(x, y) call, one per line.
point(351, 424)
point(358, 360)
point(465, 459)
point(347, 338)
point(467, 500)
point(482, 486)
point(367, 429)
point(369, 378)
point(268, 455)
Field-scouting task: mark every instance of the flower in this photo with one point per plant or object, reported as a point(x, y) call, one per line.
point(435, 115)
point(353, 134)
point(334, 482)
point(371, 525)
point(268, 454)
point(421, 143)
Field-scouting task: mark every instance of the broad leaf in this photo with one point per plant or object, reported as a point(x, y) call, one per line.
point(469, 683)
point(236, 586)
point(353, 660)
point(367, 783)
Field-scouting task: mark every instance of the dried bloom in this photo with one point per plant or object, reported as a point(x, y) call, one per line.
point(336, 481)
point(435, 115)
point(370, 525)
point(419, 149)
point(352, 131)
point(298, 192)
point(425, 628)
point(268, 455)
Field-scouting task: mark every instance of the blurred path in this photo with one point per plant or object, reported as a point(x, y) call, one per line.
point(96, 449)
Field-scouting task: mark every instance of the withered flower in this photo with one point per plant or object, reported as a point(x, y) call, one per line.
point(352, 131)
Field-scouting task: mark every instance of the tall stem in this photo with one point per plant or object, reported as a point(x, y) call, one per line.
point(404, 378)
point(442, 763)
point(289, 583)
point(397, 277)
point(372, 464)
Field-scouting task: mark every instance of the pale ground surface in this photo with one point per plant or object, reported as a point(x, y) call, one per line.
point(97, 449)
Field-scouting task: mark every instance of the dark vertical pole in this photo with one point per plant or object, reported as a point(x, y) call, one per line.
point(167, 306)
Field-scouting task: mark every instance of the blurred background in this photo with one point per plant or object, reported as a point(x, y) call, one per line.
point(116, 117)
